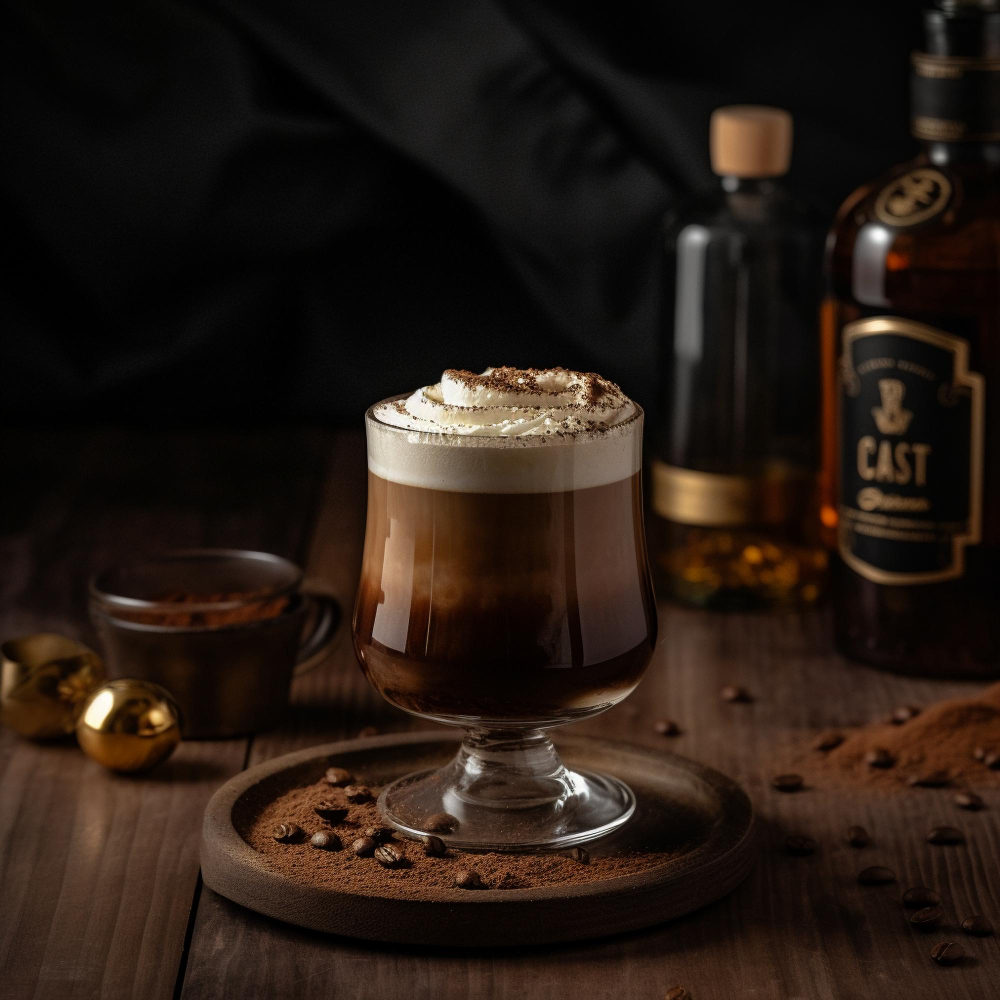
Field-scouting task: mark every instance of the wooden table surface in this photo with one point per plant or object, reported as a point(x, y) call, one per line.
point(100, 894)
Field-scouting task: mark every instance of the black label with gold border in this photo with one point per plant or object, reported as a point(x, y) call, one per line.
point(955, 98)
point(911, 451)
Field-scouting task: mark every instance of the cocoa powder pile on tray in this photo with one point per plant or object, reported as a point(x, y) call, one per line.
point(945, 742)
point(419, 874)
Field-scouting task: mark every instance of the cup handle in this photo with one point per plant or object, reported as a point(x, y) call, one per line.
point(314, 647)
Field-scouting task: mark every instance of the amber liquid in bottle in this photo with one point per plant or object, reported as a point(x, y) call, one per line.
point(911, 376)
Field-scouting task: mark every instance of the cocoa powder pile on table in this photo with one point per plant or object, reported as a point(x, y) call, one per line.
point(942, 737)
point(421, 875)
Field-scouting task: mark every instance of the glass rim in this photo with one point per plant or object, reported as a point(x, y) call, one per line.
point(105, 595)
point(498, 440)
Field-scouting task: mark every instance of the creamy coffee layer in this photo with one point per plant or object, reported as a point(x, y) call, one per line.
point(507, 430)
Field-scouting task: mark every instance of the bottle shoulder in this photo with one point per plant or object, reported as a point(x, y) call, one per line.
point(721, 213)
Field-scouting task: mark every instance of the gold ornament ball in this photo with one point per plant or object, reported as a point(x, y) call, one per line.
point(129, 725)
point(44, 681)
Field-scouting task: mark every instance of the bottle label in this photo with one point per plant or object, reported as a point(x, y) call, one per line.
point(775, 494)
point(912, 420)
point(955, 98)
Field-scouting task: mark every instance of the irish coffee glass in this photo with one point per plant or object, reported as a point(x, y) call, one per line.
point(505, 589)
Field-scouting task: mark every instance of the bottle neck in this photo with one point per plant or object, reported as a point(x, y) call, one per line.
point(959, 153)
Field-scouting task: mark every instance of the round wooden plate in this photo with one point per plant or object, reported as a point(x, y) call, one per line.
point(697, 815)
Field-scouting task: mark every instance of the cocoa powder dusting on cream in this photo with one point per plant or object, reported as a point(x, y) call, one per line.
point(420, 875)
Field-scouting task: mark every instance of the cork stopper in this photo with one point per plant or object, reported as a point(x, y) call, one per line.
point(750, 140)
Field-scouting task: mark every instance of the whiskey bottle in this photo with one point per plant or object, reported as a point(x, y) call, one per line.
point(735, 470)
point(911, 360)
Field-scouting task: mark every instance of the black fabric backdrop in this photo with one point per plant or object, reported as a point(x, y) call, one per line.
point(239, 209)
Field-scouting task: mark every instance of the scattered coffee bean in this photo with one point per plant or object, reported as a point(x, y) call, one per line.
point(927, 917)
point(677, 993)
point(977, 925)
point(992, 760)
point(367, 731)
point(389, 857)
point(465, 878)
point(947, 953)
point(857, 836)
point(879, 757)
point(932, 779)
point(337, 776)
point(364, 847)
point(903, 714)
point(434, 847)
point(288, 833)
point(800, 846)
point(829, 741)
point(357, 793)
point(377, 833)
point(876, 875)
point(979, 753)
point(325, 841)
point(787, 782)
point(441, 823)
point(667, 727)
point(735, 693)
point(945, 835)
point(578, 854)
point(967, 799)
point(920, 897)
point(330, 811)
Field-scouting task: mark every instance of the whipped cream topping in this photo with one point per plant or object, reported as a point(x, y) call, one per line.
point(511, 403)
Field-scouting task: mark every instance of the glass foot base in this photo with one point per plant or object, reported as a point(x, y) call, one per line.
point(507, 792)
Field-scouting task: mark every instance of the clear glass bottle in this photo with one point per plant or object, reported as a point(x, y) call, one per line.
point(911, 360)
point(734, 473)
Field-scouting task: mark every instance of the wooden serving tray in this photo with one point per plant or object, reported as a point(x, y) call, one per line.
point(701, 818)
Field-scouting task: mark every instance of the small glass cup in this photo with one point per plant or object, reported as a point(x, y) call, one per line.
point(229, 659)
point(505, 589)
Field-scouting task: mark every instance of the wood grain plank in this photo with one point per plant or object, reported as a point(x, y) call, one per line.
point(797, 928)
point(99, 871)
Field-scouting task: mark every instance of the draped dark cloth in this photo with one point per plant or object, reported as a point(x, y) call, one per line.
point(243, 209)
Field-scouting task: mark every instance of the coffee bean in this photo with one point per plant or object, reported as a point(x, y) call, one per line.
point(879, 757)
point(330, 811)
point(945, 835)
point(968, 800)
point(337, 776)
point(578, 854)
point(667, 727)
point(325, 841)
point(441, 823)
point(434, 847)
point(857, 836)
point(735, 693)
point(977, 925)
point(787, 782)
point(903, 714)
point(932, 779)
point(367, 731)
point(364, 847)
point(927, 917)
point(828, 741)
point(947, 953)
point(920, 897)
point(357, 793)
point(377, 833)
point(800, 846)
point(992, 760)
point(979, 753)
point(389, 857)
point(677, 993)
point(288, 833)
point(876, 875)
point(465, 878)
